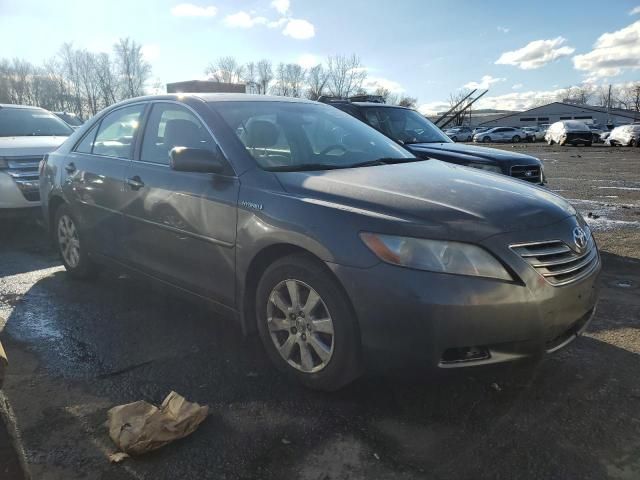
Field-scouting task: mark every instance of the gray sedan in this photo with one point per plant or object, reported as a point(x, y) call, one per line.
point(501, 134)
point(336, 245)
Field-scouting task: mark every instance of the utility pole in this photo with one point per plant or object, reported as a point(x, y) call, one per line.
point(609, 107)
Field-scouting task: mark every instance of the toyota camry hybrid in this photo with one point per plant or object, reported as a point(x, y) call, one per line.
point(340, 248)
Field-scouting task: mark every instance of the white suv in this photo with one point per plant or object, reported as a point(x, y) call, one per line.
point(26, 135)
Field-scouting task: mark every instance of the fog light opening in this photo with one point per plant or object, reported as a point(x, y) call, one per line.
point(465, 354)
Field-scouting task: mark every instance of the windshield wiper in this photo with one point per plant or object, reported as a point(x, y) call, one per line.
point(304, 167)
point(384, 161)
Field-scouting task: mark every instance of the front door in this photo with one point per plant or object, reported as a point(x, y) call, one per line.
point(95, 172)
point(181, 226)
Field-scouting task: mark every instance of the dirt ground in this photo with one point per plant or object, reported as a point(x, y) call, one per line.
point(78, 348)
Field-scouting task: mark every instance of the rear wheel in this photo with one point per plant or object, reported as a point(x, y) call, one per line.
point(71, 246)
point(515, 139)
point(307, 325)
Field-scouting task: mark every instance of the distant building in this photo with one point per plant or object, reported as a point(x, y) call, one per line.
point(477, 117)
point(556, 111)
point(205, 86)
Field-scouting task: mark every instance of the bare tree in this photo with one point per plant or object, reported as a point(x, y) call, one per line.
point(316, 82)
point(107, 79)
point(383, 92)
point(409, 102)
point(250, 76)
point(226, 70)
point(289, 80)
point(454, 99)
point(346, 75)
point(265, 75)
point(133, 70)
point(628, 96)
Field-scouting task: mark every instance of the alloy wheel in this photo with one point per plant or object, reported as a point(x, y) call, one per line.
point(69, 241)
point(300, 326)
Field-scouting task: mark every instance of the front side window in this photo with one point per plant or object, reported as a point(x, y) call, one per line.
point(304, 136)
point(31, 122)
point(117, 132)
point(170, 126)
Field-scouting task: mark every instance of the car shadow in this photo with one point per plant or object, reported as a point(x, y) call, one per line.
point(25, 246)
point(120, 339)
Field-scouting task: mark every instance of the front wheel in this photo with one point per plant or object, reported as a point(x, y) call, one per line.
point(307, 325)
point(486, 139)
point(515, 139)
point(71, 245)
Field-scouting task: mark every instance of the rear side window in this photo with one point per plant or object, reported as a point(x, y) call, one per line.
point(86, 145)
point(117, 132)
point(170, 126)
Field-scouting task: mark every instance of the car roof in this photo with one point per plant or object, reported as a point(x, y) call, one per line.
point(219, 97)
point(375, 104)
point(26, 107)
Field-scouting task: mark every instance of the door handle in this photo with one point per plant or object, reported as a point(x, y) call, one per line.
point(71, 167)
point(135, 183)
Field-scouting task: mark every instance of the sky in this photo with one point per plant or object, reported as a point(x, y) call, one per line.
point(520, 51)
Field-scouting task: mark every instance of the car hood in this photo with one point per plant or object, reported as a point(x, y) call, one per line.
point(26, 146)
point(449, 151)
point(449, 201)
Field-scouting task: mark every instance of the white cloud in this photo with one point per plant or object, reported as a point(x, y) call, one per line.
point(432, 108)
point(277, 23)
point(484, 83)
point(536, 54)
point(517, 86)
point(503, 29)
point(299, 29)
point(191, 10)
point(371, 83)
point(635, 10)
point(612, 54)
point(243, 19)
point(150, 52)
point(282, 6)
point(308, 60)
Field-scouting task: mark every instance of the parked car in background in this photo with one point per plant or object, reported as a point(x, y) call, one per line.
point(501, 134)
point(459, 134)
point(26, 135)
point(596, 132)
point(336, 245)
point(422, 138)
point(534, 134)
point(573, 132)
point(625, 135)
point(604, 136)
point(480, 130)
point(70, 119)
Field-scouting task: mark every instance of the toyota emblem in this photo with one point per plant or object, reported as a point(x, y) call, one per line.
point(580, 238)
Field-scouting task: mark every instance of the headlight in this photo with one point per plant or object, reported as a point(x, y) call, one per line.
point(486, 167)
point(435, 255)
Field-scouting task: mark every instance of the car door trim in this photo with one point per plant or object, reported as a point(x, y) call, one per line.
point(197, 236)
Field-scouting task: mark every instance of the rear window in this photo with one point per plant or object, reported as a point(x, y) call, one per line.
point(28, 122)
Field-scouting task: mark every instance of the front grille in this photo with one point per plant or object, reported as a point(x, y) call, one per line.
point(557, 262)
point(529, 173)
point(24, 171)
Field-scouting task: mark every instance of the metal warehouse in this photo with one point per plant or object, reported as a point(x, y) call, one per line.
point(556, 111)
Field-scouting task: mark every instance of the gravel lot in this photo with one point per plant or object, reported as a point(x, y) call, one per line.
point(76, 349)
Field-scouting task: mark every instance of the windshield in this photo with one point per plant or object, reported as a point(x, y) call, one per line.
point(575, 125)
point(70, 119)
point(26, 122)
point(404, 125)
point(304, 136)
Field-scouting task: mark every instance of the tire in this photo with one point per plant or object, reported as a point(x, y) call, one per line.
point(588, 144)
point(636, 143)
point(486, 139)
point(549, 142)
point(454, 138)
point(515, 139)
point(332, 356)
point(71, 246)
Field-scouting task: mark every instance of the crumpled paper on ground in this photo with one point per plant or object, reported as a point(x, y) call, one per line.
point(140, 427)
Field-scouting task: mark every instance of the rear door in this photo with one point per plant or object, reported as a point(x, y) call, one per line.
point(94, 177)
point(181, 226)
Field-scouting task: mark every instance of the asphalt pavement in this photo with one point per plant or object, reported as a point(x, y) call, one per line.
point(78, 348)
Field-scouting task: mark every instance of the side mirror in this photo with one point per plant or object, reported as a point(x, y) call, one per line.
point(184, 159)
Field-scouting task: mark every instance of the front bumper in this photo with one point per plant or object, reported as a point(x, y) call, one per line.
point(417, 318)
point(577, 137)
point(12, 197)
